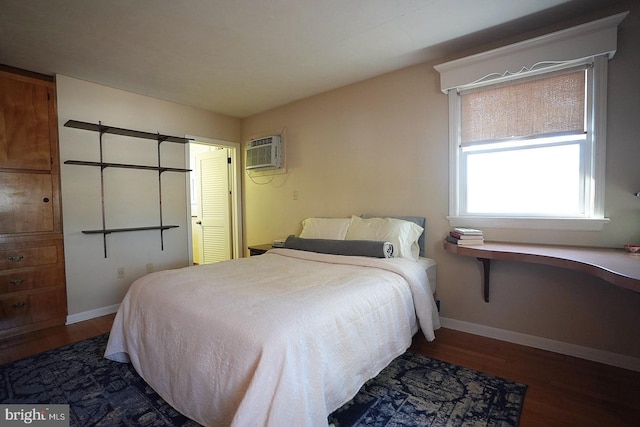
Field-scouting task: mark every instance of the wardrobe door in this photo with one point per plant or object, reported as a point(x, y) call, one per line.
point(30, 197)
point(24, 125)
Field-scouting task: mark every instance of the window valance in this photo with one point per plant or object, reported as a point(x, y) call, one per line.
point(530, 56)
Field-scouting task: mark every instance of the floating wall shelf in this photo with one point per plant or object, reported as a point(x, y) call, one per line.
point(122, 230)
point(102, 129)
point(124, 166)
point(124, 132)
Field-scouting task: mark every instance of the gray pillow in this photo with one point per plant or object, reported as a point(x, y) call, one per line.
point(368, 248)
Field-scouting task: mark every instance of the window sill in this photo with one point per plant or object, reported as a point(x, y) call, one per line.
point(570, 224)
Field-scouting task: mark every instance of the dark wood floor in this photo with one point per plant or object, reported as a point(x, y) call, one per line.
point(563, 391)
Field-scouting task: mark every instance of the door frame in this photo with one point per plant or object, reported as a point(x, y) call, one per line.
point(235, 183)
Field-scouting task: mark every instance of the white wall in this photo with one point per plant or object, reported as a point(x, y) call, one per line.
point(131, 196)
point(381, 147)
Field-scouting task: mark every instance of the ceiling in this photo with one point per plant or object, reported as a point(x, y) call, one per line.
point(242, 57)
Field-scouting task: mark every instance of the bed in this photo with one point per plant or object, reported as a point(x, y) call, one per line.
point(283, 338)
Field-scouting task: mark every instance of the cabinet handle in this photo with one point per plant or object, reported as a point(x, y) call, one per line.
point(16, 282)
point(46, 200)
point(19, 305)
point(16, 258)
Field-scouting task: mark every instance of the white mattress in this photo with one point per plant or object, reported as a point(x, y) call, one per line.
point(430, 267)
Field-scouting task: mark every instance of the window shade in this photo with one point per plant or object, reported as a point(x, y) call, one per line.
point(542, 107)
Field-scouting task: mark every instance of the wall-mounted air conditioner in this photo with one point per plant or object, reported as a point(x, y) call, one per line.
point(264, 153)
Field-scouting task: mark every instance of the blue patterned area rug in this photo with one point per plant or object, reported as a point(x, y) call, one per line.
point(415, 390)
point(412, 391)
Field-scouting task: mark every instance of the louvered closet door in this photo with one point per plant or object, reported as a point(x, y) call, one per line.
point(214, 205)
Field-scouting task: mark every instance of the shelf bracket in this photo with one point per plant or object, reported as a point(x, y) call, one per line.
point(160, 140)
point(103, 129)
point(486, 271)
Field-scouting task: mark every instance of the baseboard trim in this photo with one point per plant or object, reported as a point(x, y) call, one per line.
point(92, 314)
point(594, 355)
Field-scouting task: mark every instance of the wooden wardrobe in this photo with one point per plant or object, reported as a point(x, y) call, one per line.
point(32, 278)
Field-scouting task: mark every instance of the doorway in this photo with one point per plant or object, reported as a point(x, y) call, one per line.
point(214, 201)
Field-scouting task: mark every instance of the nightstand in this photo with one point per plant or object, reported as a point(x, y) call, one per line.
point(259, 249)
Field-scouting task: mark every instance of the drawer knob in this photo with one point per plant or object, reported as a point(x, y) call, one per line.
point(16, 282)
point(16, 258)
point(19, 305)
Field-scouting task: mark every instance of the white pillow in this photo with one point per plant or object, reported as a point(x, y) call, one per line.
point(325, 228)
point(402, 234)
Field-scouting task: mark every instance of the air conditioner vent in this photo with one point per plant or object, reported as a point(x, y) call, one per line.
point(264, 153)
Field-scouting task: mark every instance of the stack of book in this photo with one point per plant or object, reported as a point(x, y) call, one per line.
point(465, 236)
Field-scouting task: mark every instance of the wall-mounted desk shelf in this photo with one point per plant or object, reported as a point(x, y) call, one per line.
point(616, 266)
point(102, 129)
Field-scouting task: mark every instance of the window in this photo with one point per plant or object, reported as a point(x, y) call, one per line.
point(524, 149)
point(527, 148)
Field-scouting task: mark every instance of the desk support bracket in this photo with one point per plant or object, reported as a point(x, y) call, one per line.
point(486, 270)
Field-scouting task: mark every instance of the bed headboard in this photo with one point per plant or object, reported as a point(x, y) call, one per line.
point(421, 221)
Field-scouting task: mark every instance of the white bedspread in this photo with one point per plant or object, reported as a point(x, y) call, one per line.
point(281, 339)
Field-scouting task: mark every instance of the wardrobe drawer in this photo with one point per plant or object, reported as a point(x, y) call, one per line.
point(30, 278)
point(22, 309)
point(27, 257)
